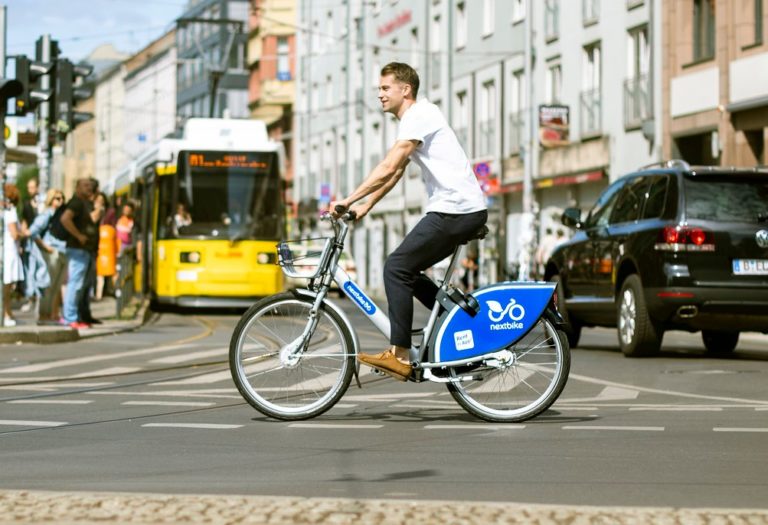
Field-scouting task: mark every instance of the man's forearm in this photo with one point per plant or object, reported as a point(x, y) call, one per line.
point(381, 176)
point(377, 195)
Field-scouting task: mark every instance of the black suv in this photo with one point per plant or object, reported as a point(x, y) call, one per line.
point(669, 247)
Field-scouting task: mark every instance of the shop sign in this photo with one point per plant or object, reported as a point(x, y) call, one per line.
point(396, 23)
point(554, 125)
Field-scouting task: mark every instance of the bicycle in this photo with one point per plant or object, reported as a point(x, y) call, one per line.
point(292, 355)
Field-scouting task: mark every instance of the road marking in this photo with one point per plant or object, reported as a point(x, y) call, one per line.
point(175, 359)
point(210, 426)
point(109, 371)
point(345, 405)
point(476, 426)
point(169, 403)
point(609, 393)
point(737, 429)
point(22, 423)
point(387, 397)
point(332, 426)
point(223, 393)
point(676, 409)
point(213, 377)
point(596, 427)
point(50, 402)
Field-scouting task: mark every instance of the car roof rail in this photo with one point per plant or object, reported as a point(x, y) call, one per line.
point(672, 163)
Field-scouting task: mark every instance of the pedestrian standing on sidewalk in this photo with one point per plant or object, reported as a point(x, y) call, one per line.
point(80, 219)
point(13, 269)
point(53, 251)
point(32, 266)
point(106, 259)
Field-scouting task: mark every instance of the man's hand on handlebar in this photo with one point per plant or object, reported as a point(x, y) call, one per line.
point(356, 211)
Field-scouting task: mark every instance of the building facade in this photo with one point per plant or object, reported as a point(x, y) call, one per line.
point(212, 50)
point(591, 59)
point(150, 95)
point(716, 81)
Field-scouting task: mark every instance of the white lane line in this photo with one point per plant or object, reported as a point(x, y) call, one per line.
point(168, 403)
point(22, 423)
point(675, 409)
point(50, 402)
point(345, 405)
point(597, 427)
point(175, 359)
point(477, 426)
point(332, 426)
point(109, 371)
point(219, 393)
point(209, 426)
point(213, 377)
point(739, 429)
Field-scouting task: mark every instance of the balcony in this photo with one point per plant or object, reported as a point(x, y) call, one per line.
point(516, 130)
point(637, 101)
point(486, 141)
point(591, 113)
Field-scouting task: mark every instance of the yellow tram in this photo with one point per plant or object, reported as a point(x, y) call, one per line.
point(210, 213)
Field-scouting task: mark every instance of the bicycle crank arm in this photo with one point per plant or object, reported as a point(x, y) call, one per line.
point(429, 376)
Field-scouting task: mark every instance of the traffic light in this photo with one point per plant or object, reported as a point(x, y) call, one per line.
point(29, 73)
point(70, 90)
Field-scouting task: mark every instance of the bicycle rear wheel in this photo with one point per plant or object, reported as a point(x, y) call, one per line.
point(271, 370)
point(526, 379)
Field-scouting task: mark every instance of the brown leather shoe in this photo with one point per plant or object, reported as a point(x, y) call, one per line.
point(387, 363)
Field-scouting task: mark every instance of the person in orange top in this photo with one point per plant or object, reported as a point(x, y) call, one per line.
point(106, 260)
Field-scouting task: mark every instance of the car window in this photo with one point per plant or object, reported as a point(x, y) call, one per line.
point(656, 198)
point(601, 211)
point(630, 201)
point(735, 199)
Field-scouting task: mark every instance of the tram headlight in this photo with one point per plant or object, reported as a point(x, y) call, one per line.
point(266, 258)
point(190, 257)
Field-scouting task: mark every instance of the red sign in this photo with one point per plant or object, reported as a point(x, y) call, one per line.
point(397, 22)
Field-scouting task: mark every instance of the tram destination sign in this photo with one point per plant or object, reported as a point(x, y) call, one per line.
point(226, 159)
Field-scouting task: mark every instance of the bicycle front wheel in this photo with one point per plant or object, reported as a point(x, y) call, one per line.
point(522, 382)
point(282, 370)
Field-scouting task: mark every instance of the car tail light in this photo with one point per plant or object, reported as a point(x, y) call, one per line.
point(685, 238)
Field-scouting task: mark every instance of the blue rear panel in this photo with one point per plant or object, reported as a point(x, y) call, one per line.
point(507, 312)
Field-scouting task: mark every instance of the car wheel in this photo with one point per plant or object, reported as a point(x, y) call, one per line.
point(717, 342)
point(639, 335)
point(572, 327)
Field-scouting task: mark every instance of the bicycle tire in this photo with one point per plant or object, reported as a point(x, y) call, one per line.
point(526, 386)
point(284, 389)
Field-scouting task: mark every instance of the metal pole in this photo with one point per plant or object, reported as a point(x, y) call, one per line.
point(2, 165)
point(530, 157)
point(43, 122)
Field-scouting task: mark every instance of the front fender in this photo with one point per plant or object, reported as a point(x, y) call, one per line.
point(303, 292)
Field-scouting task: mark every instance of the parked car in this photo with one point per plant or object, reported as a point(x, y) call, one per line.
point(668, 247)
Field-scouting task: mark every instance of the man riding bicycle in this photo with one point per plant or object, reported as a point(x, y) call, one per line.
point(455, 210)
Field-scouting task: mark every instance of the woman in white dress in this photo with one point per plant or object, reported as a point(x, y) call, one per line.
point(13, 271)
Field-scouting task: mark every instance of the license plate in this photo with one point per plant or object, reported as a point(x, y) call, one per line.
point(750, 267)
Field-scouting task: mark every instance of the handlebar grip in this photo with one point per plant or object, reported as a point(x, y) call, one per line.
point(352, 215)
point(340, 209)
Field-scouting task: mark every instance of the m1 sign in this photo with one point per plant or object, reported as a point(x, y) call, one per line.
point(396, 23)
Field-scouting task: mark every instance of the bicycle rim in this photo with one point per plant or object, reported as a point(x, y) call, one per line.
point(522, 386)
point(287, 387)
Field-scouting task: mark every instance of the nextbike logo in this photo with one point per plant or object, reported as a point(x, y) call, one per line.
point(497, 313)
point(359, 297)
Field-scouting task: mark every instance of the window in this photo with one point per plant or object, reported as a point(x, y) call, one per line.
point(590, 11)
point(656, 198)
point(283, 61)
point(461, 25)
point(590, 94)
point(758, 10)
point(488, 16)
point(435, 70)
point(518, 10)
point(604, 205)
point(630, 202)
point(487, 138)
point(637, 85)
point(517, 107)
point(415, 48)
point(551, 19)
point(462, 119)
point(703, 29)
point(554, 83)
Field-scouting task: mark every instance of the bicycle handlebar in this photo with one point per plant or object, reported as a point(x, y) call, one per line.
point(345, 213)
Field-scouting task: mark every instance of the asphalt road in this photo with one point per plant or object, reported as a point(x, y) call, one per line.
point(156, 411)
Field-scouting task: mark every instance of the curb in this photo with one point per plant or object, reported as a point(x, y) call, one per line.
point(52, 335)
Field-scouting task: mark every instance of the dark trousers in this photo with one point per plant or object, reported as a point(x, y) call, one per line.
point(433, 239)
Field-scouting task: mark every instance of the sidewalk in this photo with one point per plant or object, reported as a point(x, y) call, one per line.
point(28, 331)
point(21, 507)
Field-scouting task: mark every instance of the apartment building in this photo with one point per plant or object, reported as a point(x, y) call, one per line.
point(716, 81)
point(591, 62)
point(272, 66)
point(212, 49)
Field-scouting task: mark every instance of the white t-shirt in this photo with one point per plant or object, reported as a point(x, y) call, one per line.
point(451, 185)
